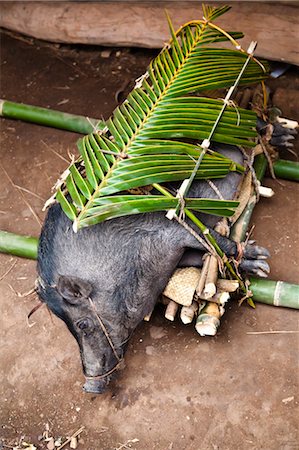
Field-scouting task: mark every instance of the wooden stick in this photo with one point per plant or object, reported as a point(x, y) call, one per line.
point(171, 310)
point(71, 437)
point(212, 275)
point(203, 275)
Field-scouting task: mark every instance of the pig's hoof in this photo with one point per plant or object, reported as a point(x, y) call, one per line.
point(255, 252)
point(256, 267)
point(94, 386)
point(282, 137)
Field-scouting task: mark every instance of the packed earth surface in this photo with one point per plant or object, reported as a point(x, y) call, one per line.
point(178, 390)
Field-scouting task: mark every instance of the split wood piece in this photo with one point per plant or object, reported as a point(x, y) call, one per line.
point(212, 275)
point(265, 191)
point(203, 275)
point(212, 270)
point(227, 285)
point(147, 318)
point(188, 312)
point(221, 297)
point(208, 320)
point(171, 310)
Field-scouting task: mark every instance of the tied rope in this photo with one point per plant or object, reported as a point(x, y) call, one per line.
point(104, 329)
point(205, 146)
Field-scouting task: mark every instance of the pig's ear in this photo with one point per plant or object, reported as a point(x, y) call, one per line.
point(73, 289)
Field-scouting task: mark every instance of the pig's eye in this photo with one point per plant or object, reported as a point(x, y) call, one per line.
point(85, 325)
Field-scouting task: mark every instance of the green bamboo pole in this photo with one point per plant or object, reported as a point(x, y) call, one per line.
point(239, 229)
point(265, 291)
point(14, 244)
point(288, 170)
point(50, 117)
point(277, 293)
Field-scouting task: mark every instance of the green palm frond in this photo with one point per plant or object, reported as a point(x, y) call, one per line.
point(147, 138)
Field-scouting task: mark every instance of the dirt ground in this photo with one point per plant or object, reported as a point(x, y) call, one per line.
point(178, 390)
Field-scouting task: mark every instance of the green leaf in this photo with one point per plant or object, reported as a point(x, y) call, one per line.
point(147, 139)
point(116, 206)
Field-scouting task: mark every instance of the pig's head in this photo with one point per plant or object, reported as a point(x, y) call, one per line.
point(101, 335)
point(103, 280)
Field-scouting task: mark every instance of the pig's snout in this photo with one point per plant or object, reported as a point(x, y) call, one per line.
point(95, 386)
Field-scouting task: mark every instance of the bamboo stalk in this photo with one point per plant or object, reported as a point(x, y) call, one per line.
point(277, 293)
point(260, 166)
point(238, 231)
point(288, 170)
point(208, 320)
point(14, 244)
point(50, 117)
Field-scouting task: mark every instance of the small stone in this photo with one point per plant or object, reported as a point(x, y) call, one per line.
point(150, 350)
point(157, 332)
point(105, 53)
point(51, 444)
point(74, 442)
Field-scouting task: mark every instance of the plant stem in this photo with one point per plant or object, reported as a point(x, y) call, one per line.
point(50, 117)
point(14, 244)
point(207, 235)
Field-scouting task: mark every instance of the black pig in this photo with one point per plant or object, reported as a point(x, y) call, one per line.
point(104, 279)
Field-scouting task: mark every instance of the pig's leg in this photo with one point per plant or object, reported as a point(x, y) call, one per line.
point(194, 258)
point(253, 258)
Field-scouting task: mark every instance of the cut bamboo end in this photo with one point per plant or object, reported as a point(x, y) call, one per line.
point(207, 325)
point(209, 291)
point(220, 298)
point(171, 310)
point(276, 293)
point(265, 191)
point(208, 321)
point(14, 244)
point(188, 313)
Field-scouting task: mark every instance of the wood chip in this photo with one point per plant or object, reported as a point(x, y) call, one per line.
point(51, 444)
point(74, 442)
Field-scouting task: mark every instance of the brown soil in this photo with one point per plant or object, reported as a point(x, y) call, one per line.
point(178, 390)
